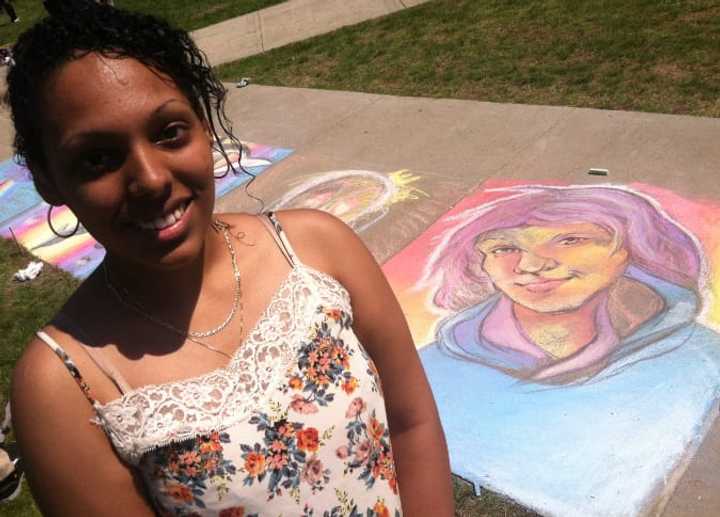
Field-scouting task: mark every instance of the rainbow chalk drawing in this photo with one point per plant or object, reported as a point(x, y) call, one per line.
point(17, 193)
point(569, 335)
point(25, 213)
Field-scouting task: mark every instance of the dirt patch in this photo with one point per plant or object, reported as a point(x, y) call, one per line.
point(670, 71)
point(209, 10)
point(702, 15)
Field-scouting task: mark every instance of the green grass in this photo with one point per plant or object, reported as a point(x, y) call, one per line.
point(188, 14)
point(487, 504)
point(24, 308)
point(645, 55)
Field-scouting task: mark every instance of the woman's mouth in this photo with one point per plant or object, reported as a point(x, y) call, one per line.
point(167, 226)
point(542, 285)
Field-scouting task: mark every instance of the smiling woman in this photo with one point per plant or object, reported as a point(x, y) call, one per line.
point(216, 355)
point(154, 149)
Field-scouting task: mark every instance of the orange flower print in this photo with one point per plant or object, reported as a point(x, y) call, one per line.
point(286, 430)
point(189, 458)
point(210, 465)
point(255, 464)
point(301, 405)
point(289, 457)
point(362, 452)
point(312, 374)
point(333, 313)
point(369, 450)
point(323, 364)
point(342, 452)
point(393, 484)
point(356, 407)
point(295, 382)
point(312, 474)
point(277, 446)
point(308, 439)
point(377, 429)
point(380, 509)
point(180, 493)
point(185, 468)
point(209, 447)
point(349, 385)
point(278, 461)
point(236, 511)
point(387, 465)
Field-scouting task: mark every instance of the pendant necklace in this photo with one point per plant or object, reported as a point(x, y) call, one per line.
point(125, 299)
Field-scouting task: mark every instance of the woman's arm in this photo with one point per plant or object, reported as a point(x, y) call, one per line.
point(70, 465)
point(418, 441)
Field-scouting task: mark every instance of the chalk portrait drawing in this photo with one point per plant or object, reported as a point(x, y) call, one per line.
point(360, 198)
point(571, 371)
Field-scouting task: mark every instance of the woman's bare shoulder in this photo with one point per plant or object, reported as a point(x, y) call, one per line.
point(313, 234)
point(41, 375)
point(52, 424)
point(321, 240)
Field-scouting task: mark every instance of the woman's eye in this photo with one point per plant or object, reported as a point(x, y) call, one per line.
point(97, 162)
point(571, 241)
point(504, 250)
point(173, 134)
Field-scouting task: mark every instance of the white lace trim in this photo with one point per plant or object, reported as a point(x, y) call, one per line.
point(156, 415)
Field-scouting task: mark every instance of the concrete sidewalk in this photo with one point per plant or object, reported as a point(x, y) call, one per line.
point(454, 146)
point(290, 21)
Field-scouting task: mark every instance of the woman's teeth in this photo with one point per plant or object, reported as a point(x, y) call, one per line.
point(165, 221)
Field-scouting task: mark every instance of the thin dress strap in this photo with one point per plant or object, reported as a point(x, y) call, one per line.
point(69, 364)
point(97, 357)
point(270, 220)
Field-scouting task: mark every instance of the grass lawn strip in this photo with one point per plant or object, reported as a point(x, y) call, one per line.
point(644, 55)
point(24, 308)
point(188, 14)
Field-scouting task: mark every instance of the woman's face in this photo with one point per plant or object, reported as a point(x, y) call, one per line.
point(127, 153)
point(552, 268)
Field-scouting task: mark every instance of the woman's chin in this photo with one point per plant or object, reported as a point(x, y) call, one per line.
point(550, 306)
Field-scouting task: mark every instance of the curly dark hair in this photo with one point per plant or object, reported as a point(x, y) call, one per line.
point(86, 27)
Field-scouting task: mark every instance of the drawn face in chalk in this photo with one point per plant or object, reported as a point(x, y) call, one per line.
point(552, 268)
point(359, 198)
point(345, 198)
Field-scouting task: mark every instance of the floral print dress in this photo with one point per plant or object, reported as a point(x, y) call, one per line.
point(295, 424)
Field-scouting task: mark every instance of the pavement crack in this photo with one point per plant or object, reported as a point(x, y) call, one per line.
point(523, 147)
point(262, 32)
point(341, 120)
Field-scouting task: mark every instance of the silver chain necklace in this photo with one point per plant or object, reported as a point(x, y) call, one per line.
point(126, 300)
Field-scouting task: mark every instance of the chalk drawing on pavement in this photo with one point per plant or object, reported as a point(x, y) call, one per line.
point(568, 335)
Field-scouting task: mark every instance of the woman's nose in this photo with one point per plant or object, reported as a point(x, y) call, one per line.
point(148, 175)
point(533, 263)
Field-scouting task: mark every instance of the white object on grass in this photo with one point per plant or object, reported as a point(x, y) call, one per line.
point(30, 272)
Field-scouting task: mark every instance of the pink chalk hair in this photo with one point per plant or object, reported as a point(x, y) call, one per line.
point(656, 244)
